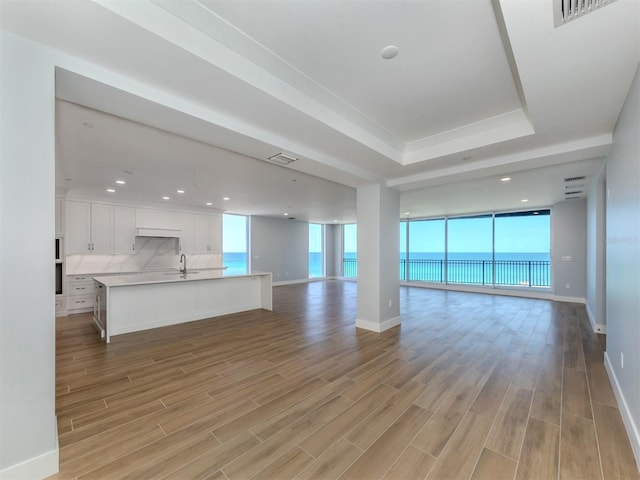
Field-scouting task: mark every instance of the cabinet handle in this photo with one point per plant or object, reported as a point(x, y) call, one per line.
point(80, 301)
point(79, 288)
point(133, 247)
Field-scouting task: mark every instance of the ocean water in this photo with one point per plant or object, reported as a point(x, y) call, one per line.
point(315, 265)
point(236, 262)
point(477, 268)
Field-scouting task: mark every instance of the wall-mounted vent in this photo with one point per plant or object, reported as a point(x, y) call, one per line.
point(566, 10)
point(577, 192)
point(282, 159)
point(575, 179)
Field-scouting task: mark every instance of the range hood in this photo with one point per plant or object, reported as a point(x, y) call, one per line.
point(158, 232)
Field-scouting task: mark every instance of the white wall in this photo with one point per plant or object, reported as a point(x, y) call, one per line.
point(280, 246)
point(333, 252)
point(595, 281)
point(568, 240)
point(28, 430)
point(623, 263)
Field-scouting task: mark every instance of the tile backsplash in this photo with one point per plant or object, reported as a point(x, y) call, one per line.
point(151, 254)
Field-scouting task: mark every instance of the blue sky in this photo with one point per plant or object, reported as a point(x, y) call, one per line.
point(234, 233)
point(526, 234)
point(529, 234)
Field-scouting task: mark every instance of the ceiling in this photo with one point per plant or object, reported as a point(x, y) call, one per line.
point(201, 92)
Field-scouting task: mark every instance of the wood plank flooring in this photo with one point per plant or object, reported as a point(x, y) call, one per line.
point(470, 386)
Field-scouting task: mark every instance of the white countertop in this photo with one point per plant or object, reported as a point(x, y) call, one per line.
point(169, 277)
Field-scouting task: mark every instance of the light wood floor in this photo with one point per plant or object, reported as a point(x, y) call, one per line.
point(470, 387)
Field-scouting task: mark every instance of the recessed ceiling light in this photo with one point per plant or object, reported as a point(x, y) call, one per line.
point(209, 204)
point(285, 214)
point(335, 221)
point(505, 179)
point(226, 198)
point(407, 213)
point(536, 213)
point(389, 52)
point(120, 182)
point(111, 190)
point(524, 200)
point(180, 191)
point(166, 198)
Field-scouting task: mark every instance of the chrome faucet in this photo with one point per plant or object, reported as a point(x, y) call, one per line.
point(183, 261)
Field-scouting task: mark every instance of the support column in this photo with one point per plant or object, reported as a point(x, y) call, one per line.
point(378, 258)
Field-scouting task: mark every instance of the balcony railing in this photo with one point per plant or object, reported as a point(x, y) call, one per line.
point(350, 267)
point(522, 273)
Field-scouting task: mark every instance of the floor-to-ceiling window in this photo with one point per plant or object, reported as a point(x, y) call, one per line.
point(316, 255)
point(350, 250)
point(522, 246)
point(426, 250)
point(502, 249)
point(234, 243)
point(470, 250)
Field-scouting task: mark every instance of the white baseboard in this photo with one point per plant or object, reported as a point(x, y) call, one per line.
point(597, 327)
point(291, 282)
point(41, 466)
point(301, 280)
point(562, 298)
point(627, 418)
point(378, 327)
point(508, 292)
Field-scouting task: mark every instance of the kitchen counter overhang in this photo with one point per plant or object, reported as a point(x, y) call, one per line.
point(131, 303)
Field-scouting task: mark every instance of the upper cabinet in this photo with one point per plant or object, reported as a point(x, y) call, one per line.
point(124, 230)
point(162, 219)
point(77, 228)
point(101, 228)
point(89, 228)
point(187, 233)
point(208, 233)
point(98, 228)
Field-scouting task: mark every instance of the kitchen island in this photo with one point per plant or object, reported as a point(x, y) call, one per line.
point(131, 303)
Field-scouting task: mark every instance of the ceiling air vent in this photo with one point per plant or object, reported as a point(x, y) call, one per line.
point(282, 159)
point(566, 10)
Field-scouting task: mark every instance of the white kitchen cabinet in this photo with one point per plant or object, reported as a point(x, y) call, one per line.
point(101, 228)
point(208, 234)
point(153, 218)
point(89, 228)
point(79, 296)
point(124, 240)
point(77, 227)
point(187, 233)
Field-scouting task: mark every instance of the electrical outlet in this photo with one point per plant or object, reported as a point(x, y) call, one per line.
point(621, 360)
point(390, 303)
point(568, 285)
